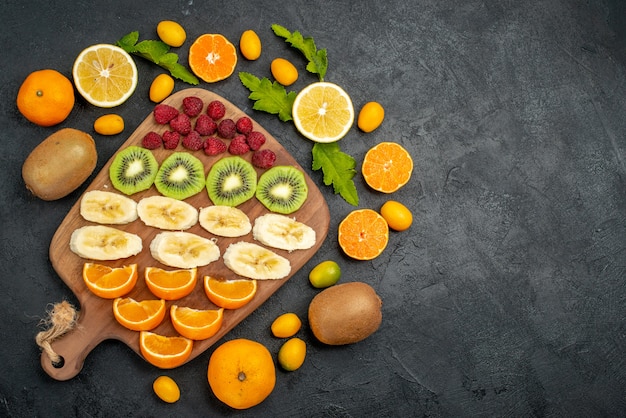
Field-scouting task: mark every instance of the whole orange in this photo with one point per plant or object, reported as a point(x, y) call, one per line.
point(46, 97)
point(241, 373)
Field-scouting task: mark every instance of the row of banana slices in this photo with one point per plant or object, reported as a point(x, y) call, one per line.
point(176, 248)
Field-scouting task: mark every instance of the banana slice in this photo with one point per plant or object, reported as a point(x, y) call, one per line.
point(183, 249)
point(167, 213)
point(283, 232)
point(225, 221)
point(107, 208)
point(99, 242)
point(255, 262)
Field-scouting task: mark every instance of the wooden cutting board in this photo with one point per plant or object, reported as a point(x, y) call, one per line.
point(96, 322)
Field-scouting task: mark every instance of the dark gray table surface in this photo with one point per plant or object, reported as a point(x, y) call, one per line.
point(505, 298)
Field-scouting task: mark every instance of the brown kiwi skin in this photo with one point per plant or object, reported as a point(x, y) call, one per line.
point(60, 164)
point(345, 313)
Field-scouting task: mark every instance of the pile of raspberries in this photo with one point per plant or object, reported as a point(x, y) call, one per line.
point(210, 131)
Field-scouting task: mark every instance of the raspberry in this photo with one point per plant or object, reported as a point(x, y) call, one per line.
point(164, 113)
point(244, 125)
point(216, 110)
point(181, 124)
point(205, 125)
point(152, 140)
point(238, 145)
point(214, 146)
point(255, 140)
point(226, 128)
point(171, 139)
point(264, 158)
point(192, 106)
point(193, 141)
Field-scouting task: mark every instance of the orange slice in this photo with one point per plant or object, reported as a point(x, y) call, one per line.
point(196, 324)
point(139, 316)
point(323, 112)
point(363, 234)
point(229, 294)
point(109, 282)
point(170, 284)
point(164, 352)
point(387, 167)
point(212, 57)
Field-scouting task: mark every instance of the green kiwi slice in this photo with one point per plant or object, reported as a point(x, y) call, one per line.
point(282, 189)
point(133, 169)
point(180, 176)
point(231, 181)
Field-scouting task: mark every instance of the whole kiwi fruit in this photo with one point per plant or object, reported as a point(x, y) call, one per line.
point(60, 164)
point(345, 313)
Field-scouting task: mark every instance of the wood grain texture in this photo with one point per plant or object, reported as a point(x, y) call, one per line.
point(96, 322)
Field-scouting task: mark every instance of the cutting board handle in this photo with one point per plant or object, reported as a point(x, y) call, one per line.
point(75, 345)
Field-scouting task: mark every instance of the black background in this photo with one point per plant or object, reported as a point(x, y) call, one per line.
point(505, 298)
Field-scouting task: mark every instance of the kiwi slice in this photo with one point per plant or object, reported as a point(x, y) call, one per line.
point(231, 181)
point(133, 169)
point(180, 176)
point(282, 189)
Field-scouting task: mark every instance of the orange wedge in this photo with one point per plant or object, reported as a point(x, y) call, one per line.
point(139, 316)
point(363, 234)
point(196, 324)
point(164, 352)
point(229, 294)
point(109, 282)
point(212, 57)
point(170, 284)
point(387, 167)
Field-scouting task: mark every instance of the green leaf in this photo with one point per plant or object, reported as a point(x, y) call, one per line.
point(268, 96)
point(338, 169)
point(158, 53)
point(318, 59)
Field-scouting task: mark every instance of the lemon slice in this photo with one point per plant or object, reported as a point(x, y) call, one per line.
point(105, 75)
point(323, 112)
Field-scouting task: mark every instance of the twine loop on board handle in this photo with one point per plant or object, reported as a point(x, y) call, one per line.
point(60, 319)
